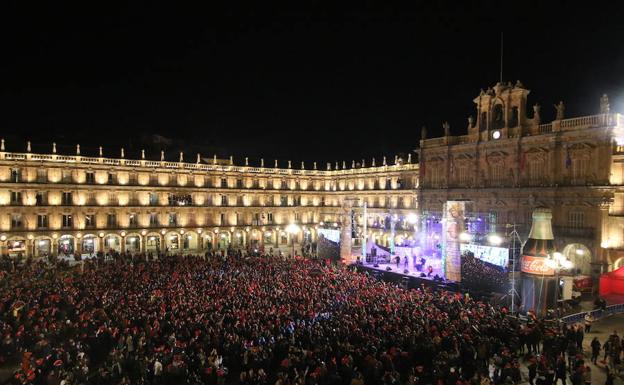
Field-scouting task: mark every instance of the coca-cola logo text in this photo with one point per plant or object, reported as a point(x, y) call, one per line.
point(535, 265)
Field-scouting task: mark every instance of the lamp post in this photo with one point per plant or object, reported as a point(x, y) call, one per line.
point(293, 229)
point(557, 262)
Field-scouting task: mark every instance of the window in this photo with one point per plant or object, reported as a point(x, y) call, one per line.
point(133, 220)
point(90, 221)
point(111, 220)
point(173, 219)
point(153, 219)
point(284, 200)
point(239, 218)
point(180, 200)
point(579, 169)
point(513, 122)
point(222, 219)
point(42, 221)
point(42, 175)
point(153, 199)
point(497, 171)
point(111, 178)
point(90, 177)
point(576, 219)
point(133, 179)
point(67, 198)
point(536, 171)
point(224, 201)
point(239, 183)
point(223, 182)
point(493, 220)
point(67, 176)
point(16, 221)
point(68, 221)
point(297, 217)
point(270, 218)
point(256, 219)
point(16, 175)
point(256, 183)
point(112, 199)
point(16, 198)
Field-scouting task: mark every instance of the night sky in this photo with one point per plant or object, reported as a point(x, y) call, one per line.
point(319, 82)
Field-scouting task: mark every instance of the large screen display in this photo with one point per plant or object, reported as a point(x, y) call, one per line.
point(498, 256)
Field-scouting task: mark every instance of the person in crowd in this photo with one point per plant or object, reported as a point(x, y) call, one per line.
point(595, 347)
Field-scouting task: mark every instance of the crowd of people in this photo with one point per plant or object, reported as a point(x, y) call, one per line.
point(254, 320)
point(483, 276)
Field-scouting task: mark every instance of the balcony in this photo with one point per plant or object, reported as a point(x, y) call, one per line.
point(578, 232)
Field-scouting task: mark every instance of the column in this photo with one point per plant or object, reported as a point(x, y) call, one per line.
point(122, 246)
point(143, 245)
point(392, 234)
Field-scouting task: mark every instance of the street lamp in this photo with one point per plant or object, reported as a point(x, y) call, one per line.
point(293, 229)
point(557, 262)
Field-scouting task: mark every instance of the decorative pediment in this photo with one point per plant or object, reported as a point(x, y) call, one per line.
point(463, 160)
point(497, 157)
point(580, 150)
point(436, 159)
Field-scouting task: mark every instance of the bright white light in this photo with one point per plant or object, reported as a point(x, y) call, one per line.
point(551, 263)
point(293, 228)
point(558, 256)
point(580, 252)
point(465, 237)
point(605, 244)
point(335, 224)
point(412, 218)
point(567, 264)
point(495, 239)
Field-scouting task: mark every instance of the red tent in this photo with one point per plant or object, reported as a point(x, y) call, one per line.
point(612, 282)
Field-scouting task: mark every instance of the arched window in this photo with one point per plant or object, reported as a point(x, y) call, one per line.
point(498, 119)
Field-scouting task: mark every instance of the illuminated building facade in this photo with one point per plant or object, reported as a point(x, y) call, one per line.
point(66, 204)
point(509, 163)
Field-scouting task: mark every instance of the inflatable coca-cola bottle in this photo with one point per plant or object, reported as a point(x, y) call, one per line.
point(538, 280)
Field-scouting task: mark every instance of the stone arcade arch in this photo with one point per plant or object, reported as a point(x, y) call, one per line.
point(581, 257)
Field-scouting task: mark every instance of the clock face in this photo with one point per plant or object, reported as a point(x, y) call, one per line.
point(496, 134)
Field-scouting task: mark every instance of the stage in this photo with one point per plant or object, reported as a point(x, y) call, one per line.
point(406, 275)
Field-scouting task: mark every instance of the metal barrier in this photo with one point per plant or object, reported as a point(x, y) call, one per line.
point(596, 314)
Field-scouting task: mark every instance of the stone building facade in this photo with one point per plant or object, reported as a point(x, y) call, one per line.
point(509, 162)
point(53, 203)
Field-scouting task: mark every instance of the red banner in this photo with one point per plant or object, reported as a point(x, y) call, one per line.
point(536, 265)
point(583, 284)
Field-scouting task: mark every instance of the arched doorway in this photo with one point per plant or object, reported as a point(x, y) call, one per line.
point(43, 247)
point(580, 256)
point(89, 244)
point(268, 237)
point(172, 242)
point(66, 245)
point(239, 239)
point(16, 246)
point(152, 243)
point(132, 243)
point(224, 240)
point(112, 243)
point(190, 241)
